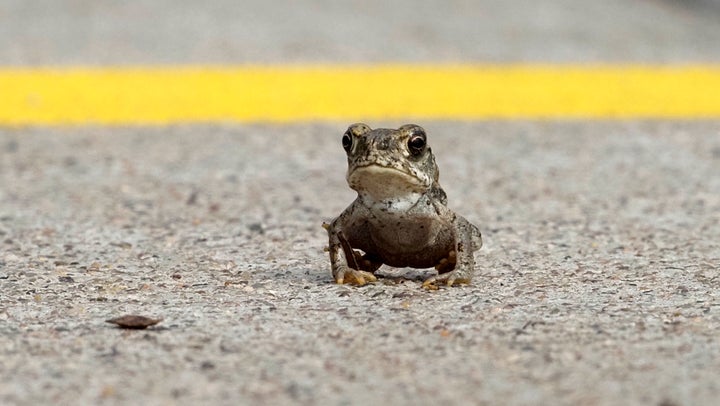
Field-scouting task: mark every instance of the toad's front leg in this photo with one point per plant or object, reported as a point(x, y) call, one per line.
point(459, 266)
point(347, 264)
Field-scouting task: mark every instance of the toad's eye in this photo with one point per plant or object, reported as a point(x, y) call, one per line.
point(416, 144)
point(347, 141)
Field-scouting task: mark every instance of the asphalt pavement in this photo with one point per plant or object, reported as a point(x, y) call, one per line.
point(598, 283)
point(106, 32)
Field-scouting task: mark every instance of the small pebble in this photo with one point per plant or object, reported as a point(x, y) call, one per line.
point(134, 322)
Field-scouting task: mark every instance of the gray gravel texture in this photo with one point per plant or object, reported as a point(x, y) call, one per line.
point(97, 32)
point(598, 283)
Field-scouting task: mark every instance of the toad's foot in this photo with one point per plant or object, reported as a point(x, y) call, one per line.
point(354, 277)
point(455, 277)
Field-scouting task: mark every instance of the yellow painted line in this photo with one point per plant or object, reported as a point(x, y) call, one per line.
point(160, 95)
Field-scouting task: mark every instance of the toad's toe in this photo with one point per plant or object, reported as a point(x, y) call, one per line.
point(452, 278)
point(355, 277)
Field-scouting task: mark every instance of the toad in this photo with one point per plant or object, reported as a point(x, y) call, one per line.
point(400, 217)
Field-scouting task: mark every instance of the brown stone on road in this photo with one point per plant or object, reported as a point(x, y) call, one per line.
point(133, 322)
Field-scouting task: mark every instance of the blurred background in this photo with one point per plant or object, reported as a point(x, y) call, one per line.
point(107, 32)
point(174, 37)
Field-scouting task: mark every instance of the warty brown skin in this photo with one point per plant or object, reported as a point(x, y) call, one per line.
point(400, 217)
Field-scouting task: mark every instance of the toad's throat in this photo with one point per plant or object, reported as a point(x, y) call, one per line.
point(383, 182)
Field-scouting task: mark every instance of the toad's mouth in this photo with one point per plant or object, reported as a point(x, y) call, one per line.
point(382, 182)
